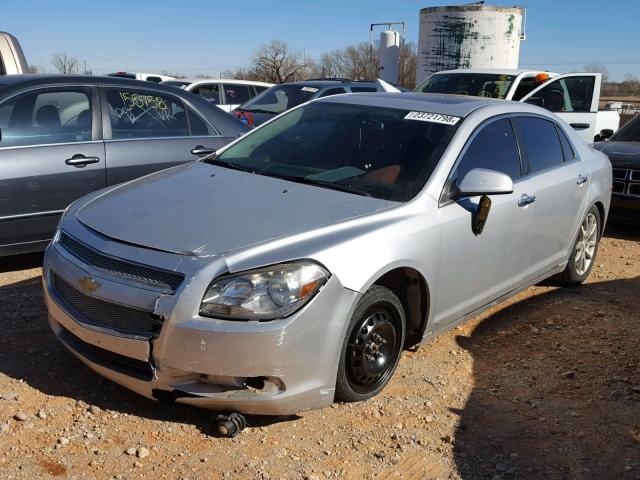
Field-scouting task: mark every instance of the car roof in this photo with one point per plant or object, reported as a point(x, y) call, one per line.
point(506, 71)
point(232, 81)
point(456, 105)
point(9, 81)
point(329, 83)
point(36, 78)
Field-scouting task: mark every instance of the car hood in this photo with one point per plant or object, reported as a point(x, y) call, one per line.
point(201, 209)
point(622, 154)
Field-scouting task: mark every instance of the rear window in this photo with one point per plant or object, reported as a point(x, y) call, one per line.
point(280, 98)
point(363, 89)
point(489, 85)
point(236, 94)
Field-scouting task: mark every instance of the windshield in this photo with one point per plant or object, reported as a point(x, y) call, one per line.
point(279, 98)
point(489, 85)
point(379, 152)
point(629, 133)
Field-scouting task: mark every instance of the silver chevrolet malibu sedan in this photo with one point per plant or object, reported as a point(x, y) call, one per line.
point(292, 268)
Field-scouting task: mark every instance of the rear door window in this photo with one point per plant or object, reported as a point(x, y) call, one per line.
point(47, 117)
point(540, 142)
point(198, 127)
point(144, 114)
point(210, 91)
point(236, 94)
point(567, 149)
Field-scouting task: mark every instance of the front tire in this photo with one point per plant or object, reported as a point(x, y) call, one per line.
point(372, 346)
point(584, 251)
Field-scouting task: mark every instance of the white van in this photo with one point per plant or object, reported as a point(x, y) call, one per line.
point(225, 93)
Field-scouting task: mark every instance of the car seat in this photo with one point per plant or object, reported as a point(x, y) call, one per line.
point(48, 117)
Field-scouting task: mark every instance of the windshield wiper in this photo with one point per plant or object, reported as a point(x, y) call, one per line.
point(321, 183)
point(258, 110)
point(215, 160)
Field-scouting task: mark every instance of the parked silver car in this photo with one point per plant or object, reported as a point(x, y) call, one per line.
point(63, 136)
point(293, 267)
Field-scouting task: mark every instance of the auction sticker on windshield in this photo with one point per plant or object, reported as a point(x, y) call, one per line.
point(432, 117)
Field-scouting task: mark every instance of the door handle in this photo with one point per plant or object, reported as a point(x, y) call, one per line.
point(526, 200)
point(80, 161)
point(580, 126)
point(581, 179)
point(201, 151)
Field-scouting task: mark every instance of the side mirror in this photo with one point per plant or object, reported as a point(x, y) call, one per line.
point(605, 134)
point(481, 181)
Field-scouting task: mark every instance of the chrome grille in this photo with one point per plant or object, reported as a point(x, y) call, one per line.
point(155, 277)
point(634, 175)
point(620, 174)
point(94, 311)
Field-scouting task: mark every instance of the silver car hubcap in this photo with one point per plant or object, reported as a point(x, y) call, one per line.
point(586, 245)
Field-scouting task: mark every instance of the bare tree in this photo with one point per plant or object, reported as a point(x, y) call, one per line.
point(278, 63)
point(598, 68)
point(64, 63)
point(33, 69)
point(407, 67)
point(356, 62)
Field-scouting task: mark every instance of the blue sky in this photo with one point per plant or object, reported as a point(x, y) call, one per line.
point(206, 36)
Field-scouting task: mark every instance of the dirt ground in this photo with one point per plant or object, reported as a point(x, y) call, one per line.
point(546, 386)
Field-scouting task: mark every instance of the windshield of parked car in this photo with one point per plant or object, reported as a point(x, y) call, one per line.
point(629, 133)
point(384, 153)
point(489, 85)
point(279, 98)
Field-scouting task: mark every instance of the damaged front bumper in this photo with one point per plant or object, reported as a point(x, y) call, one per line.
point(273, 368)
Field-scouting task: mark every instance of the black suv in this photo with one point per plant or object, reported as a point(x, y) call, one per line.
point(281, 98)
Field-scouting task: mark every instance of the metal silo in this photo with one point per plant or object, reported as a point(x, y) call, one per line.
point(468, 36)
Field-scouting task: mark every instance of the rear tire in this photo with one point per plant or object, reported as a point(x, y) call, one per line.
point(372, 346)
point(584, 251)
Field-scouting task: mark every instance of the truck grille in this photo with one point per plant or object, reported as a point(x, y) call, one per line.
point(94, 311)
point(162, 279)
point(626, 182)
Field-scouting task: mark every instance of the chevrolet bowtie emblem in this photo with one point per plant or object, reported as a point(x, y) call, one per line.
point(88, 284)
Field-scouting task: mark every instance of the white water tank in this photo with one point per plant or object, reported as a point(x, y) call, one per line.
point(389, 56)
point(468, 36)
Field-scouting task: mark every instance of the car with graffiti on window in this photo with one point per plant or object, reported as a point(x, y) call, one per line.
point(293, 267)
point(64, 136)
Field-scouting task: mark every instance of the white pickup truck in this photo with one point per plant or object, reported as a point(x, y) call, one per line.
point(573, 96)
point(12, 61)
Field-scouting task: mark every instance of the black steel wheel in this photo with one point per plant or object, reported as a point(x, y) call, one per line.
point(372, 346)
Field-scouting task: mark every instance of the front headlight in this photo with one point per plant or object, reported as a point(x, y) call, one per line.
point(264, 294)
